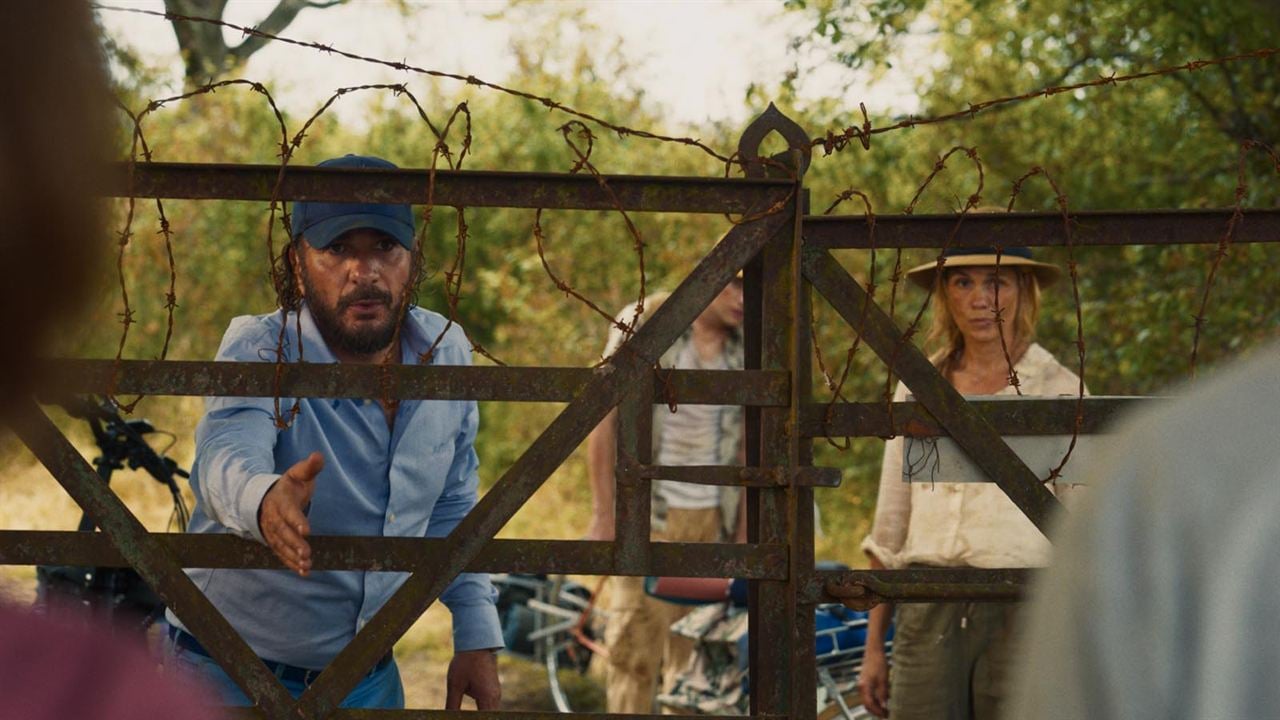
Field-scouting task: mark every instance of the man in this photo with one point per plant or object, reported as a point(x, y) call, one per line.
point(638, 634)
point(342, 467)
point(1161, 600)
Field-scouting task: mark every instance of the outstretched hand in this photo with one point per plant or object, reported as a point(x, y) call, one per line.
point(473, 673)
point(282, 515)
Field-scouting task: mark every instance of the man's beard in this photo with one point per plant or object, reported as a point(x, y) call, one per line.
point(368, 340)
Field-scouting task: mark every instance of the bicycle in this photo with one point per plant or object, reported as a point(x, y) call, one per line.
point(118, 595)
point(549, 620)
point(554, 621)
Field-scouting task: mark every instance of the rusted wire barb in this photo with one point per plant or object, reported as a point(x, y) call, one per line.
point(837, 387)
point(1228, 235)
point(969, 204)
point(834, 141)
point(1068, 231)
point(549, 103)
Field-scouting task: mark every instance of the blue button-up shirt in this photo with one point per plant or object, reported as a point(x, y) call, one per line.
point(418, 478)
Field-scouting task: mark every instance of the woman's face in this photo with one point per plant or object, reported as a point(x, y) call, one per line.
point(972, 294)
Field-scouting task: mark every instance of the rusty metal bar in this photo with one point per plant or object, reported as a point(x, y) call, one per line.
point(460, 188)
point(633, 500)
point(153, 562)
point(407, 382)
point(744, 476)
point(803, 551)
point(759, 562)
point(1030, 416)
point(969, 429)
point(777, 676)
point(868, 587)
point(1152, 227)
point(546, 454)
point(349, 714)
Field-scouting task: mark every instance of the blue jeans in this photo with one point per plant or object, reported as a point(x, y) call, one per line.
point(379, 690)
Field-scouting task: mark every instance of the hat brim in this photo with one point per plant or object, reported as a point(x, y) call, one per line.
point(323, 233)
point(923, 275)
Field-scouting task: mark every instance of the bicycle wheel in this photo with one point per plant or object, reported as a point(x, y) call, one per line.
point(566, 626)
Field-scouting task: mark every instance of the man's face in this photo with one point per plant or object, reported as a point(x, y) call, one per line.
point(354, 288)
point(726, 310)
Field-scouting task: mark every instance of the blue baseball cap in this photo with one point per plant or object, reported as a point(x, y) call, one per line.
point(321, 223)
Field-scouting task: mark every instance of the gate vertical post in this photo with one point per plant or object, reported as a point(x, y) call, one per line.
point(632, 497)
point(781, 640)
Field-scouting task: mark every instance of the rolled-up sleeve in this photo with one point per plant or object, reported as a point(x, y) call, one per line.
point(235, 444)
point(471, 598)
point(893, 503)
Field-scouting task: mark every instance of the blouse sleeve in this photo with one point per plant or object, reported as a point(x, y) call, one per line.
point(893, 503)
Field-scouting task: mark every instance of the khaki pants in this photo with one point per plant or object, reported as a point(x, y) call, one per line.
point(638, 633)
point(951, 661)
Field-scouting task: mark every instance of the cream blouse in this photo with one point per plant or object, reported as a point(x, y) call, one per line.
point(963, 524)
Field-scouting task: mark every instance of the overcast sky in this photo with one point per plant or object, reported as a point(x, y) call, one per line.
point(696, 58)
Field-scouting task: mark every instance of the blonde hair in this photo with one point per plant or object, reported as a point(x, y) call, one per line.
point(945, 334)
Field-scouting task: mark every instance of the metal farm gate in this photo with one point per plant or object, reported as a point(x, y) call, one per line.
point(785, 254)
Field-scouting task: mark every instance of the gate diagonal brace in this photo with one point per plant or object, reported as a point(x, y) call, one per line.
point(967, 427)
point(606, 389)
point(152, 559)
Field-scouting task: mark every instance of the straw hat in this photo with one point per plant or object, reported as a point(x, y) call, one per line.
point(923, 275)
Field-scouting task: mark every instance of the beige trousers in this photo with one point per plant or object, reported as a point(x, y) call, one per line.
point(951, 661)
point(638, 633)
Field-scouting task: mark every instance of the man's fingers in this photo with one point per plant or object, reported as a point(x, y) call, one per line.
point(292, 518)
point(305, 471)
point(453, 697)
point(286, 537)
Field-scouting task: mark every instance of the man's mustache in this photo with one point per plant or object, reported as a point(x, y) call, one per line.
point(365, 295)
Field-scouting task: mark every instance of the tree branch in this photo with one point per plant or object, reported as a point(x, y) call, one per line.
point(277, 20)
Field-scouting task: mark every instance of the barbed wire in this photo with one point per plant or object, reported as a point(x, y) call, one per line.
point(1228, 235)
point(547, 102)
point(1068, 234)
point(833, 142)
point(578, 128)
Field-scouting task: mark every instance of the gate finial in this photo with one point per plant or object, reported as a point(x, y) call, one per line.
point(795, 159)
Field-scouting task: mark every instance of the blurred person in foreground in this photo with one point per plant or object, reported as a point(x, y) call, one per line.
point(951, 660)
point(1162, 598)
point(53, 146)
point(638, 634)
point(342, 466)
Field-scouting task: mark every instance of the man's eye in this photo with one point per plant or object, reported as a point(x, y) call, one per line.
point(337, 248)
point(386, 245)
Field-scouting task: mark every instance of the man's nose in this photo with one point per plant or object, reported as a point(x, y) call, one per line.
point(365, 268)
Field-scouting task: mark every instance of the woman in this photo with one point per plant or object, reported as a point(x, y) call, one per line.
point(950, 659)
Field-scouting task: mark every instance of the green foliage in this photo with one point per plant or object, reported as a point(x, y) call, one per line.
point(1168, 142)
point(1160, 143)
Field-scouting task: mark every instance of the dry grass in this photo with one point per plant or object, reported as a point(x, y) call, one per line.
point(30, 499)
